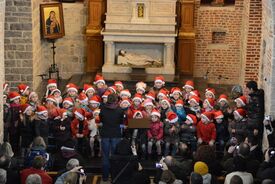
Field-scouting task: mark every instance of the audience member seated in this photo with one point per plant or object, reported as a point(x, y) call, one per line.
point(202, 169)
point(67, 152)
point(13, 176)
point(125, 167)
point(76, 176)
point(240, 170)
point(267, 168)
point(72, 163)
point(38, 147)
point(206, 153)
point(236, 180)
point(243, 150)
point(38, 165)
point(3, 176)
point(195, 178)
point(34, 179)
point(185, 160)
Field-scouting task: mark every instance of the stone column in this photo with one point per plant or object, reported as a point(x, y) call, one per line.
point(2, 71)
point(109, 57)
point(169, 65)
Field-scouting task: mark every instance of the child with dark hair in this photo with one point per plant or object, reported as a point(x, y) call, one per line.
point(222, 132)
point(41, 123)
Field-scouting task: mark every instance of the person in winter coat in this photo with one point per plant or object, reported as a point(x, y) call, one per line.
point(206, 130)
point(267, 168)
point(237, 128)
point(171, 133)
point(13, 122)
point(188, 88)
point(155, 133)
point(180, 111)
point(175, 94)
point(7, 117)
point(26, 128)
point(222, 131)
point(165, 108)
point(202, 169)
point(111, 116)
point(41, 123)
point(188, 132)
point(79, 128)
point(255, 109)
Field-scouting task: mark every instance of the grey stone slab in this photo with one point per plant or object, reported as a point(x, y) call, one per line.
point(21, 26)
point(22, 3)
point(11, 19)
point(9, 63)
point(13, 34)
point(23, 55)
point(12, 77)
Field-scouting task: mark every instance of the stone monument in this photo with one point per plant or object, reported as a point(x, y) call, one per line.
point(140, 33)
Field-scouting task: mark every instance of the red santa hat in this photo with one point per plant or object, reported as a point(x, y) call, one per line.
point(112, 89)
point(32, 94)
point(172, 117)
point(189, 84)
point(195, 93)
point(223, 97)
point(69, 101)
point(88, 87)
point(25, 107)
point(137, 112)
point(99, 78)
point(125, 92)
point(240, 112)
point(13, 95)
point(151, 95)
point(141, 85)
point(55, 90)
point(179, 103)
point(194, 99)
point(192, 118)
point(218, 115)
point(208, 116)
point(5, 85)
point(22, 88)
point(119, 83)
point(155, 112)
point(148, 102)
point(175, 90)
point(106, 94)
point(159, 78)
point(51, 98)
point(41, 110)
point(211, 91)
point(71, 86)
point(210, 102)
point(163, 92)
point(126, 101)
point(80, 113)
point(137, 97)
point(242, 100)
point(51, 83)
point(82, 98)
point(95, 99)
point(167, 100)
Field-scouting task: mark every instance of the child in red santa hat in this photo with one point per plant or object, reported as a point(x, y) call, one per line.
point(206, 129)
point(94, 102)
point(148, 107)
point(194, 106)
point(68, 104)
point(14, 112)
point(82, 102)
point(136, 104)
point(210, 93)
point(222, 131)
point(238, 127)
point(119, 86)
point(52, 85)
point(26, 128)
point(125, 94)
point(100, 84)
point(188, 132)
point(165, 108)
point(89, 90)
point(224, 106)
point(80, 130)
point(171, 133)
point(42, 123)
point(241, 102)
point(141, 87)
point(33, 100)
point(188, 88)
point(159, 83)
point(57, 96)
point(175, 94)
point(155, 132)
point(72, 91)
point(24, 91)
point(208, 105)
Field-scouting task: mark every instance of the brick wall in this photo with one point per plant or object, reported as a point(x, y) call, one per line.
point(251, 39)
point(18, 42)
point(2, 72)
point(220, 57)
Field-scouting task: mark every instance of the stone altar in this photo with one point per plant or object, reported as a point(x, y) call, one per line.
point(149, 23)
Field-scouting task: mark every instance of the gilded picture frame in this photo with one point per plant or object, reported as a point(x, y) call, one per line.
point(52, 21)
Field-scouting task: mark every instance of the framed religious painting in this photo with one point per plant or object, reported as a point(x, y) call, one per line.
point(52, 20)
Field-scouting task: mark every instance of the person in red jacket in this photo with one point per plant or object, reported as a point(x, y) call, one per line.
point(206, 130)
point(79, 128)
point(37, 168)
point(155, 133)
